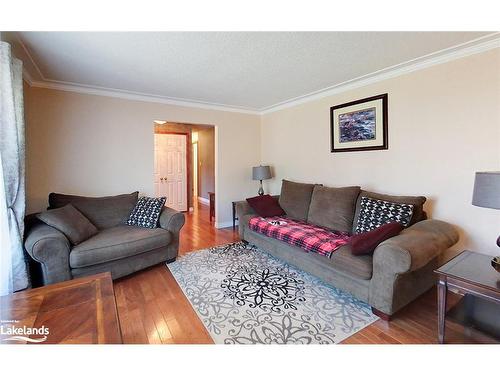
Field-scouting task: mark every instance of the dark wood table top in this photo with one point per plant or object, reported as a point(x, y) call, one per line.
point(79, 311)
point(473, 268)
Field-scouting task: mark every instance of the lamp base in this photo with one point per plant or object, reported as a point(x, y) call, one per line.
point(261, 190)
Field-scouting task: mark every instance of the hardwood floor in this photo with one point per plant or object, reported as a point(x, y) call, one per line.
point(152, 308)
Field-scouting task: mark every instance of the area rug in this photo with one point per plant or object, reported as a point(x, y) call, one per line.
point(245, 296)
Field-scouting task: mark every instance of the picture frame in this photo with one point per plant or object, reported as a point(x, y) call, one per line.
point(360, 125)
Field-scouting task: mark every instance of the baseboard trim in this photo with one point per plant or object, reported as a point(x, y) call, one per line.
point(224, 224)
point(204, 201)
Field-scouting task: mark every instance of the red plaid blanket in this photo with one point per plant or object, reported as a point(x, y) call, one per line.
point(298, 233)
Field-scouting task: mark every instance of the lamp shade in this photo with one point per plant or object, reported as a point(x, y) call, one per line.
point(262, 172)
point(487, 190)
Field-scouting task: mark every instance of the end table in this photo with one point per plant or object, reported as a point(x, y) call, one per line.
point(471, 274)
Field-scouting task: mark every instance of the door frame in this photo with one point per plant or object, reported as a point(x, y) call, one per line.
point(194, 163)
point(188, 167)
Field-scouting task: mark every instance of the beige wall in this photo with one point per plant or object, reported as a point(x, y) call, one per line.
point(94, 145)
point(444, 124)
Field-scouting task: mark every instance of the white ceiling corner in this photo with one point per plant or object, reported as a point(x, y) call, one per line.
point(232, 71)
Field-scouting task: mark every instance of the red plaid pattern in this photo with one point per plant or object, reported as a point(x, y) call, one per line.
point(298, 233)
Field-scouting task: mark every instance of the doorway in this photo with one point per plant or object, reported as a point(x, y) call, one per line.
point(171, 174)
point(199, 162)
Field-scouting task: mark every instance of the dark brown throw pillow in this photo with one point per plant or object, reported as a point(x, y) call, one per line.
point(365, 243)
point(76, 227)
point(265, 206)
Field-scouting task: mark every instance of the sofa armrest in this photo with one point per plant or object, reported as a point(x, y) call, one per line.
point(243, 208)
point(403, 265)
point(244, 213)
point(243, 225)
point(415, 246)
point(51, 249)
point(172, 220)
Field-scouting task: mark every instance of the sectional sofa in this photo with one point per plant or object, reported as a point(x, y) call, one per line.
point(399, 270)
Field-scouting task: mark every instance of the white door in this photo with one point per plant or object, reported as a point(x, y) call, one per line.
point(171, 169)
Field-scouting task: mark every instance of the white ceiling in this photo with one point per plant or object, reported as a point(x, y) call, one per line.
point(247, 70)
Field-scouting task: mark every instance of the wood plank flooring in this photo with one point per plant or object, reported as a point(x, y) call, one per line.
point(152, 308)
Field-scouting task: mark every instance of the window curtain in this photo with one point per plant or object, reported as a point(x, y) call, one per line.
point(13, 270)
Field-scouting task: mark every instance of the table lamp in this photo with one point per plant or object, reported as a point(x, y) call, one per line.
point(487, 194)
point(487, 191)
point(262, 172)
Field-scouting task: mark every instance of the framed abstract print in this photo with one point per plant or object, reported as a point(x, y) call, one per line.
point(360, 125)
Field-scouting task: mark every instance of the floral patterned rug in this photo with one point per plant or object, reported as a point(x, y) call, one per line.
point(245, 296)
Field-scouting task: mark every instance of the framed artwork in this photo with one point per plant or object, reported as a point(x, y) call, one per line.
point(360, 125)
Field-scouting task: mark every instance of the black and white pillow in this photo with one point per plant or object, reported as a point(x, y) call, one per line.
point(146, 212)
point(374, 213)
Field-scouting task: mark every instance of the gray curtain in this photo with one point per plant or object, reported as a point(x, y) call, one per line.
point(12, 165)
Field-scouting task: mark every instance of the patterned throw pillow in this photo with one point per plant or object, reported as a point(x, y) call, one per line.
point(375, 212)
point(146, 212)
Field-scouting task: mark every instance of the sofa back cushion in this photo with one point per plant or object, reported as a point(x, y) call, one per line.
point(417, 202)
point(103, 212)
point(333, 208)
point(295, 199)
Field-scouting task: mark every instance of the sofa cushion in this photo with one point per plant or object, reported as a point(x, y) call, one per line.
point(70, 221)
point(116, 243)
point(333, 208)
point(360, 266)
point(103, 212)
point(310, 238)
point(265, 206)
point(365, 243)
point(295, 199)
point(417, 202)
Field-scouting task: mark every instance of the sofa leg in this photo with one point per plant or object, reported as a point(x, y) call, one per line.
point(381, 314)
point(171, 260)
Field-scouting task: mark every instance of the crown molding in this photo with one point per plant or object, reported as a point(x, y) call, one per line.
point(120, 94)
point(138, 96)
point(436, 58)
point(30, 57)
point(27, 76)
point(472, 47)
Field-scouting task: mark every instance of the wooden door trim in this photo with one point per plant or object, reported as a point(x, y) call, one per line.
point(188, 169)
point(197, 170)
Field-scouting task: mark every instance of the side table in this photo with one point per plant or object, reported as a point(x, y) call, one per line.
point(234, 215)
point(211, 199)
point(472, 275)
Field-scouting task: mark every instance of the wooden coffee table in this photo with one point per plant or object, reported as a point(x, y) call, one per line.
point(472, 275)
point(79, 311)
